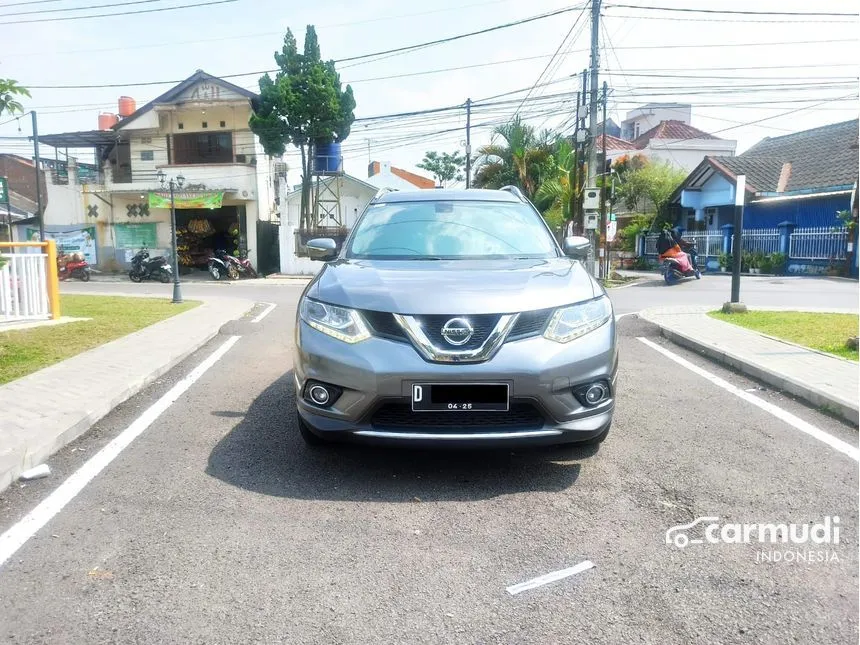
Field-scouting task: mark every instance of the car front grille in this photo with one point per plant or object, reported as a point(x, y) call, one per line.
point(399, 416)
point(529, 323)
point(383, 324)
point(482, 326)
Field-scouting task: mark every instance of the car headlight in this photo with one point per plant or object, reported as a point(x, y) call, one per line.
point(338, 322)
point(569, 323)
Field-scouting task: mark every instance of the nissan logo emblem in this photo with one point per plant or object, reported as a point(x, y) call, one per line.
point(457, 331)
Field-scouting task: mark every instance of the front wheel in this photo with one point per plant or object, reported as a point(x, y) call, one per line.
point(164, 276)
point(134, 277)
point(85, 276)
point(670, 276)
point(215, 271)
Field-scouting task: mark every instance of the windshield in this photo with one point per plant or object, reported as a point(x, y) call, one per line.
point(451, 230)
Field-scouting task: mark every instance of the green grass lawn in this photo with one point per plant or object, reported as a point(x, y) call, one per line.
point(824, 332)
point(25, 351)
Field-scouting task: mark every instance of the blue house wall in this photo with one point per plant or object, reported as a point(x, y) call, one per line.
point(804, 213)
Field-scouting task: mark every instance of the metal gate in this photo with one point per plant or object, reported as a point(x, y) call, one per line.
point(268, 249)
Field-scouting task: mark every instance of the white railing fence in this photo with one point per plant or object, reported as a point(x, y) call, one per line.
point(822, 243)
point(765, 240)
point(709, 244)
point(24, 287)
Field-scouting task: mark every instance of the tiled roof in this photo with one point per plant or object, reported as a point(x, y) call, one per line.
point(416, 180)
point(670, 130)
point(614, 143)
point(820, 158)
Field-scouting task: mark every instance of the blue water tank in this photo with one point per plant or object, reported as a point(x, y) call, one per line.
point(328, 157)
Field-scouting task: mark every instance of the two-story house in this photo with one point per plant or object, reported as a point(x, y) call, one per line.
point(196, 134)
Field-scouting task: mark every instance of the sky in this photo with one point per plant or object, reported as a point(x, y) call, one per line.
point(746, 76)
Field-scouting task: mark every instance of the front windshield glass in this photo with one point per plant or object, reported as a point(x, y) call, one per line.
point(451, 230)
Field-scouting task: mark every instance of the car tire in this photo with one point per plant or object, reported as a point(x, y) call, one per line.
point(599, 439)
point(309, 436)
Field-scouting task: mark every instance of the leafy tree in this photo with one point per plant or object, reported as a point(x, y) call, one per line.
point(9, 93)
point(304, 103)
point(647, 188)
point(559, 189)
point(521, 158)
point(445, 167)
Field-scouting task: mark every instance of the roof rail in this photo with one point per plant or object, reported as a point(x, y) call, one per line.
point(383, 191)
point(516, 192)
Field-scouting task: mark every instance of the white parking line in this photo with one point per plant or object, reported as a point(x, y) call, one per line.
point(549, 577)
point(265, 312)
point(798, 423)
point(17, 536)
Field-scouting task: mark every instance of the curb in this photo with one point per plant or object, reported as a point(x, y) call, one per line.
point(75, 425)
point(807, 393)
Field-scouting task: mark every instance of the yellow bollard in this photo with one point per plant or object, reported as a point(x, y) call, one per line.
point(53, 279)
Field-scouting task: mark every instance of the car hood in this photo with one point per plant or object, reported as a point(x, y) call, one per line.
point(454, 286)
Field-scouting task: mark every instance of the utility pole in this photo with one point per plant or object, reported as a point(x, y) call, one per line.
point(592, 117)
point(468, 143)
point(737, 244)
point(604, 222)
point(38, 176)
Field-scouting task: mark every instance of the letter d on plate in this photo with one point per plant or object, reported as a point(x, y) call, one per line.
point(417, 393)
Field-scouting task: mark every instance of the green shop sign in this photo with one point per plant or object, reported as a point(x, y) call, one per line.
point(186, 199)
point(136, 236)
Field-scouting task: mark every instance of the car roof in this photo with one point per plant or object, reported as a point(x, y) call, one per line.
point(432, 195)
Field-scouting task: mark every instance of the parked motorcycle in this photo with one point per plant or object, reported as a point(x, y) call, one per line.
point(220, 265)
point(144, 267)
point(243, 264)
point(73, 266)
point(677, 267)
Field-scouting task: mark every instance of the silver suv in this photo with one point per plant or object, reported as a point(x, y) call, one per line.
point(453, 317)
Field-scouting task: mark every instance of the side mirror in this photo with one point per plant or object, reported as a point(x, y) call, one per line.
point(322, 248)
point(576, 247)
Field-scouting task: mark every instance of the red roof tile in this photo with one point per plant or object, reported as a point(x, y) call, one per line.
point(614, 143)
point(671, 130)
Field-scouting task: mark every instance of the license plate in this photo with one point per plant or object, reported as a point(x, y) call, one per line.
point(460, 397)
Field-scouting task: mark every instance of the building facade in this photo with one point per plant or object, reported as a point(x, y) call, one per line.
point(196, 134)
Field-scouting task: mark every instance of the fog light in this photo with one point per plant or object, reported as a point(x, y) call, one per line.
point(595, 394)
point(591, 394)
point(319, 395)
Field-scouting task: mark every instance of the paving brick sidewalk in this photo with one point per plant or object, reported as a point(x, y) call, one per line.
point(817, 378)
point(41, 413)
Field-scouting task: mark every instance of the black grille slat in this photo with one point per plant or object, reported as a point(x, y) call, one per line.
point(399, 416)
point(482, 324)
point(383, 323)
point(530, 323)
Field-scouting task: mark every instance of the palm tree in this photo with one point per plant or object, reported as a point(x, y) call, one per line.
point(559, 189)
point(518, 159)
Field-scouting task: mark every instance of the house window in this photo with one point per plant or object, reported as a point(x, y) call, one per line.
point(205, 124)
point(180, 126)
point(146, 139)
point(710, 216)
point(223, 124)
point(147, 155)
point(201, 148)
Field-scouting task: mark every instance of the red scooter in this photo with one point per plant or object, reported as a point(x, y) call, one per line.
point(242, 264)
point(74, 266)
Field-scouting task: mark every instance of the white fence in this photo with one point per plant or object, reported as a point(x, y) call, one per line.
point(818, 244)
point(764, 240)
point(24, 287)
point(709, 244)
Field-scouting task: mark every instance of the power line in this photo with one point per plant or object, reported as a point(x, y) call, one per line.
point(734, 12)
point(95, 6)
point(554, 56)
point(123, 13)
point(767, 21)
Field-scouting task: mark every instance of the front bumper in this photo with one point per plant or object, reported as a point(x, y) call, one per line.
point(376, 376)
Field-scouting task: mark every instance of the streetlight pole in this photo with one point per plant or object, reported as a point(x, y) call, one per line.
point(172, 183)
